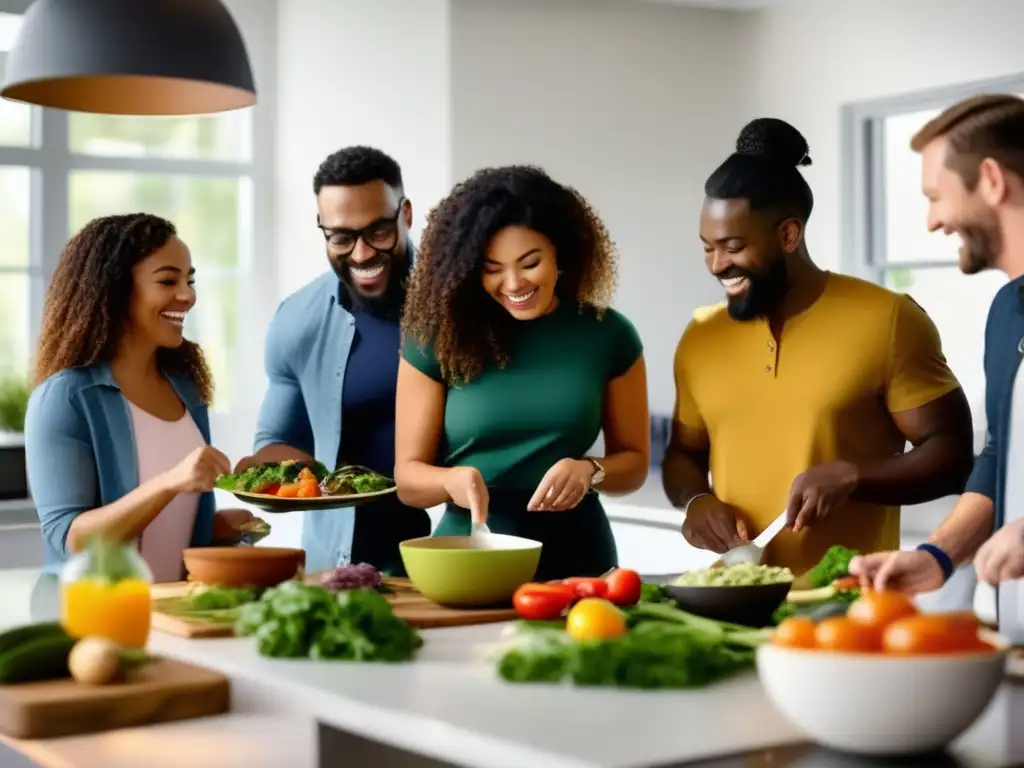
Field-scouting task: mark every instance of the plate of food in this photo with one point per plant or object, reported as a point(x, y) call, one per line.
point(293, 486)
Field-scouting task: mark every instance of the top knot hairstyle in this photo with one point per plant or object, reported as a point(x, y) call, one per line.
point(990, 125)
point(763, 169)
point(446, 305)
point(87, 303)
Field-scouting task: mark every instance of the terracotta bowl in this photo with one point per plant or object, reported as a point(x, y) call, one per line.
point(243, 566)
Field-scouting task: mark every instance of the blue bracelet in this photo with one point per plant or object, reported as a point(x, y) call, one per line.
point(945, 563)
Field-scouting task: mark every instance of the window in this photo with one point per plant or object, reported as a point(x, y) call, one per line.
point(59, 170)
point(211, 214)
point(18, 269)
point(887, 239)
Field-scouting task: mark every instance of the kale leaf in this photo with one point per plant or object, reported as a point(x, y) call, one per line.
point(296, 620)
point(833, 565)
point(257, 479)
point(664, 648)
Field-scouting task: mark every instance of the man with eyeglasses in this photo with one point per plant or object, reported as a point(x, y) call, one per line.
point(332, 356)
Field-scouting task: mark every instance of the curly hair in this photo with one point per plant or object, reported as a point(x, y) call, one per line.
point(87, 302)
point(446, 306)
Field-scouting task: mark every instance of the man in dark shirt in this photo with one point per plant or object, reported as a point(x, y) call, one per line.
point(332, 359)
point(973, 176)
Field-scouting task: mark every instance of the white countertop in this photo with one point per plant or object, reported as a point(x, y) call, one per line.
point(449, 704)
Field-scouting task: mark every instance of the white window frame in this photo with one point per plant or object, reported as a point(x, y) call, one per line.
point(51, 163)
point(863, 168)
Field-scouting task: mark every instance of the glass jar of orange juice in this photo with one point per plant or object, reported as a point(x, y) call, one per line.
point(105, 592)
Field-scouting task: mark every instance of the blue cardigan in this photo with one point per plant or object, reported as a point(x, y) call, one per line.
point(1004, 346)
point(80, 451)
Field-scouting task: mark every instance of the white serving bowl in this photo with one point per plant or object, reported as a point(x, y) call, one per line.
point(877, 704)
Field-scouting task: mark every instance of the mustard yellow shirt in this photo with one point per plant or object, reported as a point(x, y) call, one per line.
point(824, 392)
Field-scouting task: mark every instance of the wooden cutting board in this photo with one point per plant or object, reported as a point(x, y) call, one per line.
point(410, 605)
point(160, 692)
point(406, 602)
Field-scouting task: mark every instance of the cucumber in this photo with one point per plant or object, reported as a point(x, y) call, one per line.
point(12, 638)
point(44, 658)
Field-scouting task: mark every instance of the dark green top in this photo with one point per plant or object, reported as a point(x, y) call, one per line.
point(546, 404)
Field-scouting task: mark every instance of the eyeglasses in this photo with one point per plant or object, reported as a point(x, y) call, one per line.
point(381, 235)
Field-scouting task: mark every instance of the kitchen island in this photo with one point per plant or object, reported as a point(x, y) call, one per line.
point(449, 708)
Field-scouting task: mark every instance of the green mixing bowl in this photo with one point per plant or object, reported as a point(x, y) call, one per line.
point(470, 571)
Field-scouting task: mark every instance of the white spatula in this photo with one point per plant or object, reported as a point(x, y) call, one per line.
point(752, 552)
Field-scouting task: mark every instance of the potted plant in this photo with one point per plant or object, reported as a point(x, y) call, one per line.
point(14, 393)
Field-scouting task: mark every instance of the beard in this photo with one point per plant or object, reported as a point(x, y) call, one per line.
point(387, 304)
point(983, 242)
point(766, 290)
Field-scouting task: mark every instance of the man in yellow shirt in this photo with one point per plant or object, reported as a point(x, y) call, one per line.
point(800, 391)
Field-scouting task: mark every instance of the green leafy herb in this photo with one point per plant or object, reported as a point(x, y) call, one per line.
point(296, 620)
point(664, 648)
point(824, 599)
point(835, 564)
point(352, 479)
point(257, 479)
point(211, 605)
point(653, 593)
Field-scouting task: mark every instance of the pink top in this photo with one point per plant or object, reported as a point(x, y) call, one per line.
point(160, 445)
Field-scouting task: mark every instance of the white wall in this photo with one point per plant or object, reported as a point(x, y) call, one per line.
point(233, 431)
point(355, 72)
point(632, 103)
point(813, 57)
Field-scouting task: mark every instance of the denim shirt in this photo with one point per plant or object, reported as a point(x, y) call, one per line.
point(307, 349)
point(80, 452)
point(1004, 346)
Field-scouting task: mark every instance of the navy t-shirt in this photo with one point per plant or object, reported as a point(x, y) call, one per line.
point(368, 394)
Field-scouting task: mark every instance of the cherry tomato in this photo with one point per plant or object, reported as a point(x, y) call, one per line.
point(795, 632)
point(843, 634)
point(271, 490)
point(879, 609)
point(542, 602)
point(586, 586)
point(623, 586)
point(931, 633)
point(593, 618)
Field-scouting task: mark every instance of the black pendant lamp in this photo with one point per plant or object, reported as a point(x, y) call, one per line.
point(130, 57)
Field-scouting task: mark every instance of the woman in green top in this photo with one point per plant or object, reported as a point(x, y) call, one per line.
point(513, 364)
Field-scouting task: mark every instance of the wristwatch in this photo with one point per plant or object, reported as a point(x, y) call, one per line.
point(598, 475)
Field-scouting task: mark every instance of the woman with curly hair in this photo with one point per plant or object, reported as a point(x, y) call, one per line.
point(117, 432)
point(513, 364)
